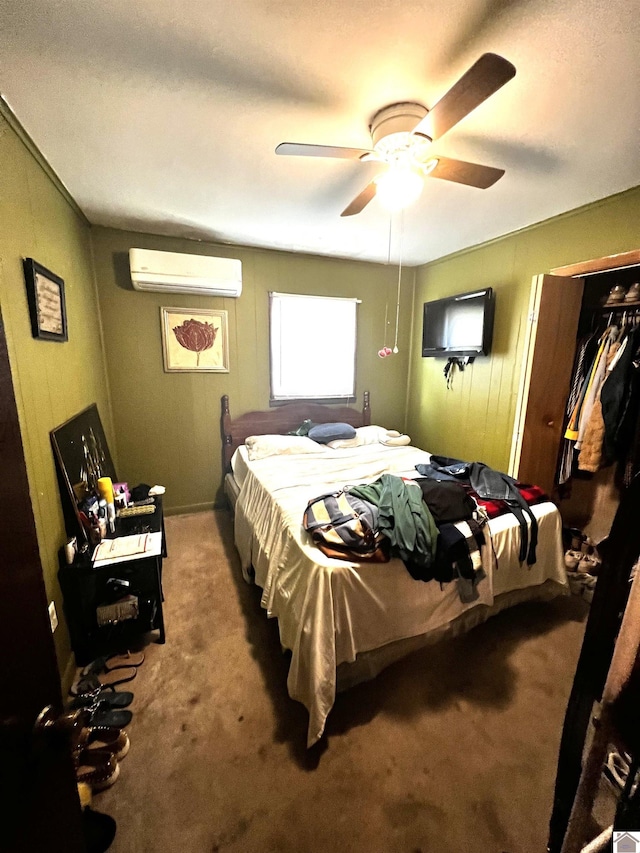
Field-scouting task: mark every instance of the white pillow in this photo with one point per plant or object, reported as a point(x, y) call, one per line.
point(344, 442)
point(396, 439)
point(263, 446)
point(373, 435)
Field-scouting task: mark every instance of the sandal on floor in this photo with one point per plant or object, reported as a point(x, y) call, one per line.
point(110, 662)
point(101, 713)
point(105, 717)
point(106, 739)
point(96, 681)
point(100, 769)
point(616, 769)
point(105, 698)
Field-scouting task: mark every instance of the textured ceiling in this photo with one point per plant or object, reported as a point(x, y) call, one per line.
point(163, 116)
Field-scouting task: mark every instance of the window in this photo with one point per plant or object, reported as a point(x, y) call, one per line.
point(313, 347)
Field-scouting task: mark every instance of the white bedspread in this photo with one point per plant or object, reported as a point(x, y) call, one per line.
point(330, 610)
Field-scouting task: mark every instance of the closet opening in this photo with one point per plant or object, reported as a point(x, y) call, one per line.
point(593, 471)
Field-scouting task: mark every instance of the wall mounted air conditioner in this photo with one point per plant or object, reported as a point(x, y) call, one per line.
point(173, 272)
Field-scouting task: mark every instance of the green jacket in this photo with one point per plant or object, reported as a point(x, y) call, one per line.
point(404, 519)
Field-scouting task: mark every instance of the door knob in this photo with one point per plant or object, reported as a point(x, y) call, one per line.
point(59, 724)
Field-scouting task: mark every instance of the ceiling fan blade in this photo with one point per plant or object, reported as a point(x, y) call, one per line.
point(461, 172)
point(484, 78)
point(302, 149)
point(361, 201)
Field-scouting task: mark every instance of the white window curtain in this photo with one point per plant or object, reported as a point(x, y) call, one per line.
point(313, 347)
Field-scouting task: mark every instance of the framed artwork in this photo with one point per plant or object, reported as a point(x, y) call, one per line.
point(82, 456)
point(195, 340)
point(47, 309)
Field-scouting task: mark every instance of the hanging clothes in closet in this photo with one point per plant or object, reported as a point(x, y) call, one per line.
point(621, 406)
point(582, 365)
point(603, 407)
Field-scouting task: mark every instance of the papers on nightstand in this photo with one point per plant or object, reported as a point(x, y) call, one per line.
point(127, 548)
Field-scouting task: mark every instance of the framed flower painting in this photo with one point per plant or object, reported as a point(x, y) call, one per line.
point(195, 340)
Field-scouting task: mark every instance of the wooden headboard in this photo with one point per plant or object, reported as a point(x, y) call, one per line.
point(283, 419)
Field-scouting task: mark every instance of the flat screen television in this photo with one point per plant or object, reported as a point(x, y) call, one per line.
point(458, 326)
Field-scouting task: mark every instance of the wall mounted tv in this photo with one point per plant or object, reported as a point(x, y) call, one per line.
point(459, 326)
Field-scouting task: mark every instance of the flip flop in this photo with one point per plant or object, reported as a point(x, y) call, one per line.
point(111, 662)
point(104, 698)
point(111, 719)
point(127, 658)
point(95, 682)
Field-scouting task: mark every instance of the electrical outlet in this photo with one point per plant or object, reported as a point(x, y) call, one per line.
point(53, 616)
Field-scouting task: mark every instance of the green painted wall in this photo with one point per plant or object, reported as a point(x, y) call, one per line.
point(167, 424)
point(52, 380)
point(474, 420)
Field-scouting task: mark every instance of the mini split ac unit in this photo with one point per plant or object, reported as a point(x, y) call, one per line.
point(173, 272)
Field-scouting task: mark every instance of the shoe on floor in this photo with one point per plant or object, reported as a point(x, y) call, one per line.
point(106, 698)
point(572, 559)
point(104, 738)
point(616, 769)
point(589, 563)
point(98, 768)
point(94, 682)
point(116, 719)
point(108, 663)
point(102, 714)
point(588, 546)
point(582, 584)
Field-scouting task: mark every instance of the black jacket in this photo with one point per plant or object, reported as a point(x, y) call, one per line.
point(493, 485)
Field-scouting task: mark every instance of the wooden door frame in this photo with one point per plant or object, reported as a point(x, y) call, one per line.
point(596, 265)
point(38, 785)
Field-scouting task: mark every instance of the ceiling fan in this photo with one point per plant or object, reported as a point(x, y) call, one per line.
point(402, 136)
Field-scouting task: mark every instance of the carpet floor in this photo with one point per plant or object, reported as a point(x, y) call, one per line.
point(452, 749)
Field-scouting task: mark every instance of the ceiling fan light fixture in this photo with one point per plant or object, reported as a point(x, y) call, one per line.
point(396, 120)
point(398, 187)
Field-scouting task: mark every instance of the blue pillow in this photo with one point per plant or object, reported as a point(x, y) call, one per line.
point(324, 433)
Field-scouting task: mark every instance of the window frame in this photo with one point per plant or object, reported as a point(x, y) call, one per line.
point(276, 401)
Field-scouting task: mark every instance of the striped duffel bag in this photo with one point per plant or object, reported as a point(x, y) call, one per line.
point(345, 526)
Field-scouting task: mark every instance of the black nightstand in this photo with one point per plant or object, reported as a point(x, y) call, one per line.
point(85, 587)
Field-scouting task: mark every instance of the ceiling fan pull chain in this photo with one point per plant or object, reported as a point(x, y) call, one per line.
point(386, 307)
point(386, 317)
point(395, 345)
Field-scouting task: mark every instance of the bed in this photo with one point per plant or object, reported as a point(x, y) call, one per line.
point(345, 621)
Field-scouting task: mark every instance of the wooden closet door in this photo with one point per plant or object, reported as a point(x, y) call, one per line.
point(546, 375)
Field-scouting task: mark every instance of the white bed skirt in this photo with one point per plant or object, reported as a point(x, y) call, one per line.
point(368, 665)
